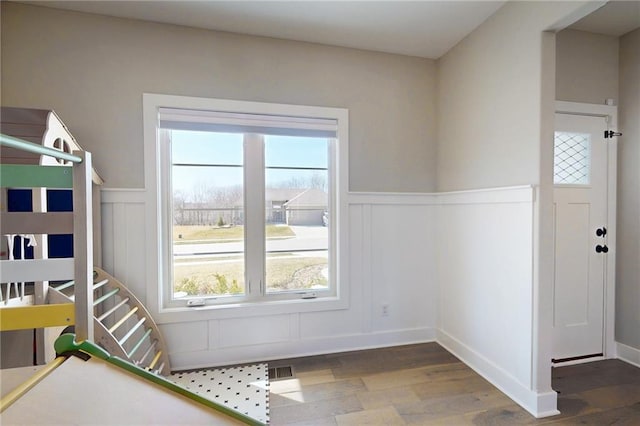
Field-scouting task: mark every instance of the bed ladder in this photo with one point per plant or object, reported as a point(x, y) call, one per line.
point(122, 325)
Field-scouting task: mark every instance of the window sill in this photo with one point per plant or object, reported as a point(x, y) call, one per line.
point(242, 310)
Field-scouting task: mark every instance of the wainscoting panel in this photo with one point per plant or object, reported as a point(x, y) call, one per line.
point(485, 280)
point(391, 262)
point(254, 331)
point(124, 248)
point(402, 267)
point(186, 337)
point(456, 267)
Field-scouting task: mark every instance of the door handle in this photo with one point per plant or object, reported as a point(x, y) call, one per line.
point(601, 232)
point(602, 249)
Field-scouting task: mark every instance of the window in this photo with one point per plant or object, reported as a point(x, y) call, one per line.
point(571, 158)
point(249, 197)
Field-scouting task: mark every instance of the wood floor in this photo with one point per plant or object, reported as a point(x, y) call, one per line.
point(426, 385)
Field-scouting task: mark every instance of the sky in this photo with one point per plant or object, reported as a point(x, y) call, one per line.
point(227, 149)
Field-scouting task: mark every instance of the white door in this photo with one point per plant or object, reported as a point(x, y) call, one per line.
point(580, 222)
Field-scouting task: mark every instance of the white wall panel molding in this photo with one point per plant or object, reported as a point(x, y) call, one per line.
point(513, 194)
point(628, 354)
point(485, 262)
point(294, 326)
point(192, 337)
point(538, 404)
point(362, 254)
point(393, 242)
point(391, 261)
point(254, 331)
point(303, 347)
point(124, 248)
point(393, 198)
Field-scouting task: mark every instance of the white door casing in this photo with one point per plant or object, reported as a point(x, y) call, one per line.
point(583, 296)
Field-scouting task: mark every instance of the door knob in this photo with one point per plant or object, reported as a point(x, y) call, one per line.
point(601, 232)
point(601, 249)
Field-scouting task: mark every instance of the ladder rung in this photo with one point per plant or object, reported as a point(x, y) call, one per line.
point(147, 352)
point(130, 332)
point(155, 360)
point(137, 345)
point(105, 296)
point(99, 284)
point(160, 368)
point(123, 319)
point(65, 285)
point(112, 310)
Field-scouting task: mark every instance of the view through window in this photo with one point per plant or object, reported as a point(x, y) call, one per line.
point(226, 244)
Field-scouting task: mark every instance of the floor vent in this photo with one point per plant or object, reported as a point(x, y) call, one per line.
point(281, 373)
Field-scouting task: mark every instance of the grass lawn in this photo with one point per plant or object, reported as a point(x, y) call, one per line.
point(283, 273)
point(212, 233)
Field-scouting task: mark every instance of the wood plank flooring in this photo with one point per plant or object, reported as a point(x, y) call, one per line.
point(426, 385)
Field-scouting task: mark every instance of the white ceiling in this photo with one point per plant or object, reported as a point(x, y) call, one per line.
point(425, 28)
point(614, 18)
point(417, 28)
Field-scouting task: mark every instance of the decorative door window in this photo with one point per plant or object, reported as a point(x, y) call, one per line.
point(571, 158)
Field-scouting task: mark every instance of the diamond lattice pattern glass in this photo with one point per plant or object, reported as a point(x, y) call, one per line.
point(571, 158)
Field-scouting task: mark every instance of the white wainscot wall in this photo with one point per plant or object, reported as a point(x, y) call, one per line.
point(391, 262)
point(452, 267)
point(124, 251)
point(486, 290)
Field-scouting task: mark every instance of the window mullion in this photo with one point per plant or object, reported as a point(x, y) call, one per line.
point(254, 206)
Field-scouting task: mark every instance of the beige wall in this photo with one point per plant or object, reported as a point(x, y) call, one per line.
point(489, 92)
point(93, 71)
point(628, 243)
point(586, 67)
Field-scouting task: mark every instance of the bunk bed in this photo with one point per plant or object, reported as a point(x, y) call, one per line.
point(115, 354)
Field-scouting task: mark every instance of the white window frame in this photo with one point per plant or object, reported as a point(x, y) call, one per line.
point(157, 205)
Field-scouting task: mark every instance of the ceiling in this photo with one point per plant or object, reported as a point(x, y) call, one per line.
point(614, 18)
point(424, 28)
point(416, 28)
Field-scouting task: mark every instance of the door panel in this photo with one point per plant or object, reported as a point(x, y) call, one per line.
point(580, 208)
point(573, 243)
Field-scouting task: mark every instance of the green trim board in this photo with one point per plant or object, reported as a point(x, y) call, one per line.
point(66, 344)
point(30, 176)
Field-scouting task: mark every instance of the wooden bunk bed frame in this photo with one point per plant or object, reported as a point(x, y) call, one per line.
point(79, 223)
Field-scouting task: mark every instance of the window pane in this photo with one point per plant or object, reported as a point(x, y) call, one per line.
point(571, 158)
point(189, 147)
point(208, 214)
point(292, 151)
point(297, 214)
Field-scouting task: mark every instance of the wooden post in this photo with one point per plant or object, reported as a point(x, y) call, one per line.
point(83, 246)
point(97, 226)
point(41, 288)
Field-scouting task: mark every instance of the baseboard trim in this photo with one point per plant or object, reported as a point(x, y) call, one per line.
point(539, 404)
point(628, 354)
point(300, 348)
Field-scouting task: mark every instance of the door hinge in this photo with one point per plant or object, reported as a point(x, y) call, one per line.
point(608, 134)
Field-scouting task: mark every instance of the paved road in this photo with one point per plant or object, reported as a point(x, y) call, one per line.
point(307, 238)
